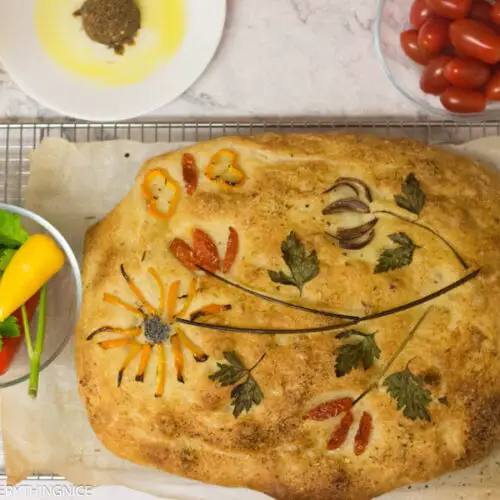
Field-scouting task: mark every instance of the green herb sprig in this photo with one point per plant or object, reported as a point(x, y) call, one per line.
point(247, 391)
point(361, 353)
point(400, 256)
point(303, 267)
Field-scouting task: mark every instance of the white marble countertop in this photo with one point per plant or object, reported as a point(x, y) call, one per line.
point(307, 58)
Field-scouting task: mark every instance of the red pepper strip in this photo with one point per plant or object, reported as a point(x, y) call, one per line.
point(189, 173)
point(340, 433)
point(183, 253)
point(329, 409)
point(363, 436)
point(233, 245)
point(205, 251)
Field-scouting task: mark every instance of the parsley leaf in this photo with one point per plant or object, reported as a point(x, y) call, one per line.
point(412, 197)
point(245, 394)
point(9, 328)
point(303, 267)
point(353, 355)
point(12, 234)
point(405, 388)
point(229, 374)
point(6, 255)
point(394, 258)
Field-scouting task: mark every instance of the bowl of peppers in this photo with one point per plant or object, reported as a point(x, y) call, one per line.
point(40, 296)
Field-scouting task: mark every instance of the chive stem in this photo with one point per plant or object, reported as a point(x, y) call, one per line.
point(40, 337)
point(276, 301)
point(338, 326)
point(394, 356)
point(427, 228)
point(27, 331)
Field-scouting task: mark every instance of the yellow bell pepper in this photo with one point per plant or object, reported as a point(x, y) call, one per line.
point(31, 267)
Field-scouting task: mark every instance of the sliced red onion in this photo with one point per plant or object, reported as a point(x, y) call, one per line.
point(347, 205)
point(353, 233)
point(358, 243)
point(359, 182)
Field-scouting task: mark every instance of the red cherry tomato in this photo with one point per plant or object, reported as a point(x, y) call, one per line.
point(433, 35)
point(495, 13)
point(493, 87)
point(475, 40)
point(409, 44)
point(459, 100)
point(419, 13)
point(432, 80)
point(453, 9)
point(11, 345)
point(480, 11)
point(467, 73)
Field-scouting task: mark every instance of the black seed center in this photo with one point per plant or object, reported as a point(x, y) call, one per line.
point(155, 330)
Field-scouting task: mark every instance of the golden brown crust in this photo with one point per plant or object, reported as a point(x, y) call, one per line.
point(191, 431)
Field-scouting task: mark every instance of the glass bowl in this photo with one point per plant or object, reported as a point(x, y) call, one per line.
point(64, 296)
point(392, 19)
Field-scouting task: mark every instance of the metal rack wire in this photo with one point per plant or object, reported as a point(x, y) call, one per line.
point(19, 139)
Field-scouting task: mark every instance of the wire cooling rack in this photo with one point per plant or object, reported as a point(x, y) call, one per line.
point(18, 140)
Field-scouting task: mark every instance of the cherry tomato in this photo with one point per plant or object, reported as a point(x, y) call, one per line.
point(11, 344)
point(433, 35)
point(432, 80)
point(493, 87)
point(475, 40)
point(467, 73)
point(409, 44)
point(459, 100)
point(480, 11)
point(495, 13)
point(453, 9)
point(419, 13)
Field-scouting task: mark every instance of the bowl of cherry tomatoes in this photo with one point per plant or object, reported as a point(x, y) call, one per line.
point(443, 55)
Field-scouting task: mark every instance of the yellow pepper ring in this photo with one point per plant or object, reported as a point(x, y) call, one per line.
point(150, 198)
point(227, 159)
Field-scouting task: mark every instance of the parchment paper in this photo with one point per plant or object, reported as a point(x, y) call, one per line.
point(73, 185)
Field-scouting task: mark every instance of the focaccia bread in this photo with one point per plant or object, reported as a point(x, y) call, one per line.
point(389, 248)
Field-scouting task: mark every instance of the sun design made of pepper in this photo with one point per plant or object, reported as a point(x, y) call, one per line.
point(157, 328)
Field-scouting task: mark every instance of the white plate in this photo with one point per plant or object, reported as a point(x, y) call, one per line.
point(22, 55)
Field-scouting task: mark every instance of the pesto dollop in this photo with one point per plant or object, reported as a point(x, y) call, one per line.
point(113, 23)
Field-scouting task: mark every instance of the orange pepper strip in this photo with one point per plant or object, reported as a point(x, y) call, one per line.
point(132, 332)
point(178, 358)
point(149, 196)
point(136, 291)
point(161, 372)
point(112, 299)
point(199, 355)
point(189, 298)
point(111, 344)
point(161, 288)
point(172, 299)
point(132, 353)
point(146, 353)
point(208, 310)
point(227, 159)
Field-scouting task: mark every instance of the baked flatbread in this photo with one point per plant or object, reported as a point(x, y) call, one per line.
point(344, 226)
